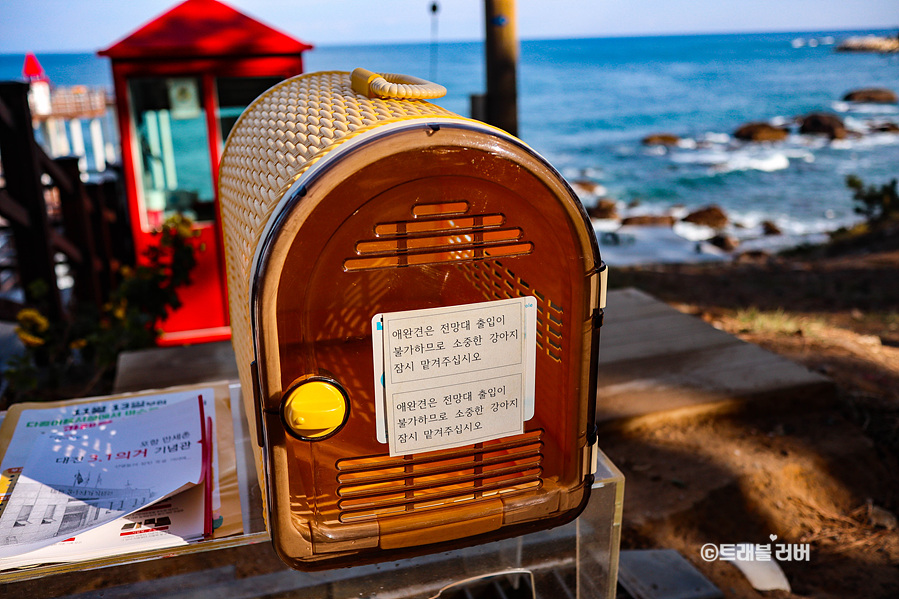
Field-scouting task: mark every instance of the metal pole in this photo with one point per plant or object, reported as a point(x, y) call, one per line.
point(501, 46)
point(435, 8)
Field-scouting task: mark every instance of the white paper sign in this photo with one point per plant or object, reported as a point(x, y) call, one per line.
point(456, 375)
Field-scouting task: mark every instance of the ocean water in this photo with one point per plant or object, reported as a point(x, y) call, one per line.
point(586, 104)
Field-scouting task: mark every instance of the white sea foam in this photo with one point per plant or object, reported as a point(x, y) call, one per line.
point(725, 158)
point(632, 245)
point(864, 107)
point(798, 153)
point(693, 232)
point(716, 138)
point(855, 124)
point(685, 242)
point(868, 141)
point(710, 157)
point(774, 161)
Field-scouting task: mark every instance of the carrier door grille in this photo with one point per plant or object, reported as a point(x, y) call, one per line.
point(381, 486)
point(438, 233)
point(497, 282)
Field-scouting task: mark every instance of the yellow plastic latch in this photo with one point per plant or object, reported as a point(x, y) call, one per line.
point(315, 409)
point(361, 81)
point(391, 85)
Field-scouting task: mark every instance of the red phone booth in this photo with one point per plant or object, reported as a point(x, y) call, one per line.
point(181, 81)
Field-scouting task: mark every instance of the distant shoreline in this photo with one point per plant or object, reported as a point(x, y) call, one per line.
point(878, 32)
point(870, 43)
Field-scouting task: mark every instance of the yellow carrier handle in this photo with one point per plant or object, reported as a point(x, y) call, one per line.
point(390, 85)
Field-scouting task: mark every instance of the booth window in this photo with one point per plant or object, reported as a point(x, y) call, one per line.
point(235, 94)
point(173, 165)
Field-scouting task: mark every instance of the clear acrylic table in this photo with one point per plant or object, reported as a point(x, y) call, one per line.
point(579, 559)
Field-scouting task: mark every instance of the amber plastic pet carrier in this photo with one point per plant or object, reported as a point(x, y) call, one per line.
point(415, 303)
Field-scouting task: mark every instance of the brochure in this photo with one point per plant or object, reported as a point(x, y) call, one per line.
point(176, 520)
point(77, 478)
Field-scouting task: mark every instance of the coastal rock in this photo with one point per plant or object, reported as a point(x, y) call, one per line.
point(872, 95)
point(586, 186)
point(760, 131)
point(661, 139)
point(652, 220)
point(604, 208)
point(869, 43)
point(769, 228)
point(822, 123)
point(878, 517)
point(753, 257)
point(885, 127)
point(710, 216)
point(728, 243)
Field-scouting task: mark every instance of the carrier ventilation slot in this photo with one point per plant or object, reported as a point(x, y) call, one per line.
point(384, 486)
point(497, 282)
point(438, 233)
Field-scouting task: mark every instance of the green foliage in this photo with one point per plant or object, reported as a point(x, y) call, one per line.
point(71, 358)
point(876, 204)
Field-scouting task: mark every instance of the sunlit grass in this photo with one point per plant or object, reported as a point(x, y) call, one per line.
point(777, 322)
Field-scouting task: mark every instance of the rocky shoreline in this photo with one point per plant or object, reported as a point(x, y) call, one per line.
point(708, 232)
point(870, 43)
point(815, 123)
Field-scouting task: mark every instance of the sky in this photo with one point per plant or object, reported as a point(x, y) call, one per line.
point(89, 25)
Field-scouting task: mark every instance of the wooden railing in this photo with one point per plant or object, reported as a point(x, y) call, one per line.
point(49, 211)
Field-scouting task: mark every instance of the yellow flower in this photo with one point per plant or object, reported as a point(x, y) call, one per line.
point(78, 344)
point(32, 319)
point(180, 225)
point(119, 312)
point(28, 339)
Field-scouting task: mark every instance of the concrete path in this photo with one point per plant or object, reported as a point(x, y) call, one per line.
point(658, 362)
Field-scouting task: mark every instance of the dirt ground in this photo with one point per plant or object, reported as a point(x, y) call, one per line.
point(827, 477)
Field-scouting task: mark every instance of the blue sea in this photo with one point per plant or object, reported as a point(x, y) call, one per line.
point(585, 104)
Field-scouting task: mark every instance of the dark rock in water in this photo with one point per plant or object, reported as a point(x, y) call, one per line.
point(661, 139)
point(728, 243)
point(885, 127)
point(761, 132)
point(878, 517)
point(872, 95)
point(769, 228)
point(587, 186)
point(710, 216)
point(651, 220)
point(634, 203)
point(826, 124)
point(752, 257)
point(605, 208)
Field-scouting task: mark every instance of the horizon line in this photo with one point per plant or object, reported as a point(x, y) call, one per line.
point(532, 39)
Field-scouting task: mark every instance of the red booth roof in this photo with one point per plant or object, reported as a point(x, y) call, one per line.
point(32, 69)
point(203, 28)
